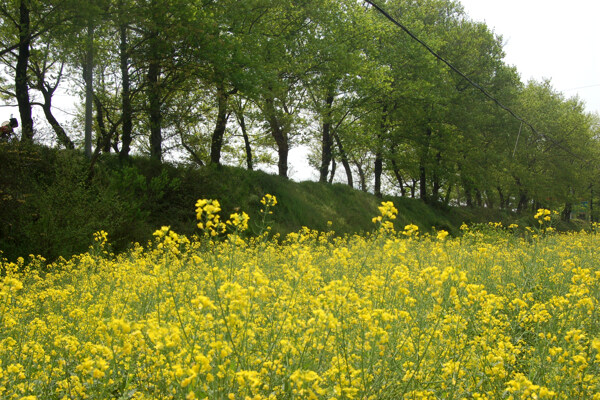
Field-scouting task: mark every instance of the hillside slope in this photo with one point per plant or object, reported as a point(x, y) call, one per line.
point(51, 203)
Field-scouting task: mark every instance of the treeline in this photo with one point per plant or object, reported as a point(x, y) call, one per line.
point(242, 82)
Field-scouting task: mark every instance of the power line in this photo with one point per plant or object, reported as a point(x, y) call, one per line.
point(582, 87)
point(469, 80)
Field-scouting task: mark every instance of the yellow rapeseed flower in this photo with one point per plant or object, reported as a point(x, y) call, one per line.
point(309, 316)
point(441, 235)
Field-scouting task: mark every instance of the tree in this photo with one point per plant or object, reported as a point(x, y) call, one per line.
point(283, 59)
point(45, 65)
point(554, 159)
point(24, 23)
point(336, 41)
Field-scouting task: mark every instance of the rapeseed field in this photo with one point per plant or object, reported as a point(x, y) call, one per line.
point(389, 315)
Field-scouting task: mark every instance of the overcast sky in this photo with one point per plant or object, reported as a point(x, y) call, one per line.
point(554, 39)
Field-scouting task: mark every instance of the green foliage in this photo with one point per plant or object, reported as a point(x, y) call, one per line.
point(50, 206)
point(334, 75)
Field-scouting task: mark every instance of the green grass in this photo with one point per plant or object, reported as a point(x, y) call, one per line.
point(50, 205)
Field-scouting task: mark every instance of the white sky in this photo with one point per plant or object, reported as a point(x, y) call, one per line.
point(554, 39)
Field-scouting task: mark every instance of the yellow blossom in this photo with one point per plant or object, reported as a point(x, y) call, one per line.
point(441, 235)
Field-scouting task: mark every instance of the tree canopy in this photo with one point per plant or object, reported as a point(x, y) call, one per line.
point(243, 82)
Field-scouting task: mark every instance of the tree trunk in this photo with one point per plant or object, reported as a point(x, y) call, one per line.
point(378, 170)
point(436, 178)
point(422, 168)
point(448, 193)
point(280, 135)
point(361, 177)
point(283, 148)
point(522, 196)
point(21, 87)
point(489, 200)
point(522, 201)
point(154, 110)
point(193, 153)
point(501, 195)
point(88, 77)
point(398, 177)
point(326, 140)
point(242, 123)
point(103, 140)
point(591, 204)
point(566, 214)
point(423, 183)
point(435, 190)
point(344, 158)
point(378, 167)
point(468, 194)
point(478, 198)
point(216, 143)
point(333, 166)
point(61, 135)
point(126, 136)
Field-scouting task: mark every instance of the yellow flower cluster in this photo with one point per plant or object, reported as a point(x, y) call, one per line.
point(209, 220)
point(544, 218)
point(207, 213)
point(101, 237)
point(269, 201)
point(441, 235)
point(169, 241)
point(388, 214)
point(238, 221)
point(411, 230)
point(311, 316)
point(10, 284)
point(543, 215)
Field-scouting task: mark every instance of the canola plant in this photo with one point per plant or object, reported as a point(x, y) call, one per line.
point(388, 315)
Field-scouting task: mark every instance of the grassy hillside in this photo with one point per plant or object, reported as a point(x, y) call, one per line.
point(51, 203)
